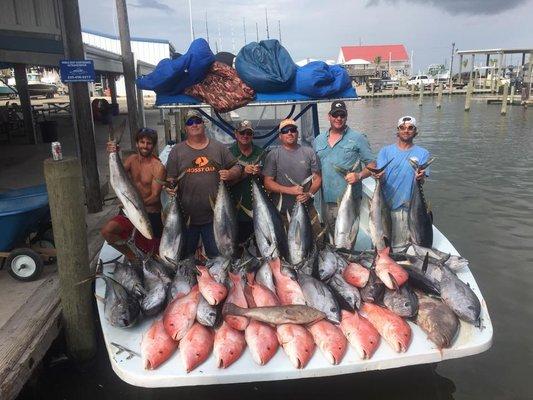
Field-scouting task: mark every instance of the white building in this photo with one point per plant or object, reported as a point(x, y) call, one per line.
point(148, 50)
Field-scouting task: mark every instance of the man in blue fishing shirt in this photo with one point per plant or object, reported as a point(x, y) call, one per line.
point(340, 146)
point(399, 176)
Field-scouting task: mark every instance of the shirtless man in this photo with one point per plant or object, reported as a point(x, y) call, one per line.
point(144, 170)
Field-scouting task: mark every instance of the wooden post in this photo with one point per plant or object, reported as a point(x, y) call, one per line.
point(421, 94)
point(412, 90)
point(511, 100)
point(439, 96)
point(113, 87)
point(128, 65)
point(66, 198)
point(25, 102)
point(80, 104)
point(504, 99)
point(372, 89)
point(393, 90)
point(432, 88)
point(468, 98)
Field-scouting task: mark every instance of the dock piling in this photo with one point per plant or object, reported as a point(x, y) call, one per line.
point(439, 96)
point(66, 198)
point(421, 94)
point(511, 98)
point(504, 99)
point(468, 98)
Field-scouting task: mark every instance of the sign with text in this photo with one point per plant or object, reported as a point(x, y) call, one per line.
point(76, 71)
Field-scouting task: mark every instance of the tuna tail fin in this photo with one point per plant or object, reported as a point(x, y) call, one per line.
point(378, 170)
point(340, 170)
point(247, 211)
point(425, 263)
point(427, 164)
point(231, 309)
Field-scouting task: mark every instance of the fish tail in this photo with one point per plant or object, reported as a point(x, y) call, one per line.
point(231, 309)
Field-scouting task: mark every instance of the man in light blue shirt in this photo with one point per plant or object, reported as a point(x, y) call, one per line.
point(341, 146)
point(399, 176)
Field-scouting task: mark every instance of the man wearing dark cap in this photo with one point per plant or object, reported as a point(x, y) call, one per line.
point(298, 163)
point(196, 161)
point(249, 155)
point(144, 170)
point(341, 146)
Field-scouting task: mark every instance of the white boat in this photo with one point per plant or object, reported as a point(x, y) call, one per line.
point(469, 341)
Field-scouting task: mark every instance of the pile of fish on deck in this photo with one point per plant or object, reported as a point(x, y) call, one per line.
point(292, 294)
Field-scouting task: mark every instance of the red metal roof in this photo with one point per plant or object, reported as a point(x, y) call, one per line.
point(369, 53)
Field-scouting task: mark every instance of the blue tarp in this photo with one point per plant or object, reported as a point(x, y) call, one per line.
point(318, 80)
point(260, 97)
point(265, 66)
point(174, 76)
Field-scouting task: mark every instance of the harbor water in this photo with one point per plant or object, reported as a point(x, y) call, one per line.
point(481, 194)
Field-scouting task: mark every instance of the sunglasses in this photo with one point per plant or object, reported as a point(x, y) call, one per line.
point(194, 121)
point(148, 131)
point(409, 128)
point(338, 115)
point(291, 129)
point(246, 133)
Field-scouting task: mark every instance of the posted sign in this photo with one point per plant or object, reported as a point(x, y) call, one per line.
point(76, 71)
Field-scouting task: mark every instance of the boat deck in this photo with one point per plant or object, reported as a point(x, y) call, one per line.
point(470, 340)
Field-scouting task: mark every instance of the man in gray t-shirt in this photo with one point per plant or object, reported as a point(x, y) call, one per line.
point(297, 162)
point(196, 159)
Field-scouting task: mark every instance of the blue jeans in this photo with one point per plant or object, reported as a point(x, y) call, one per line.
point(193, 233)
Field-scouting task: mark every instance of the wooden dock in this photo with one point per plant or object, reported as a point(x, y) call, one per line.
point(402, 92)
point(30, 314)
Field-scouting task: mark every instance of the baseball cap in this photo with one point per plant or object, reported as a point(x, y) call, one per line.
point(407, 118)
point(245, 126)
point(192, 113)
point(287, 122)
point(338, 106)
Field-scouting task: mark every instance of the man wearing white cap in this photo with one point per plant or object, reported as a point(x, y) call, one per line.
point(398, 178)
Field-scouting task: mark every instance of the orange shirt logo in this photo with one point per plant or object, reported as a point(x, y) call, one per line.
point(201, 161)
point(200, 165)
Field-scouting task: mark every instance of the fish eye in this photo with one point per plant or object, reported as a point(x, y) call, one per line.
point(406, 304)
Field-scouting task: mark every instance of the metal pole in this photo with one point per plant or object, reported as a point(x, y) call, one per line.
point(279, 30)
point(65, 193)
point(128, 65)
point(80, 104)
point(207, 29)
point(266, 20)
point(190, 21)
point(450, 82)
point(244, 29)
point(257, 32)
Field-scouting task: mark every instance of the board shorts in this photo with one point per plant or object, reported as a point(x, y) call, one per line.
point(144, 244)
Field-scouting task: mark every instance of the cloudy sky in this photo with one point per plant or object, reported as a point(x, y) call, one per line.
point(317, 28)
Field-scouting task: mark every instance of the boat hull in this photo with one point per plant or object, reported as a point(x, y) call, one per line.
point(470, 340)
